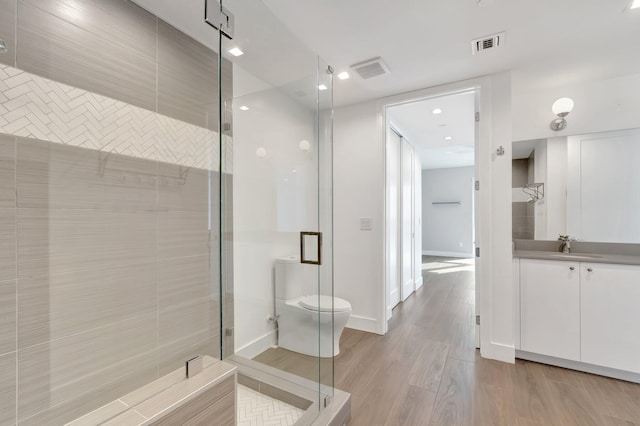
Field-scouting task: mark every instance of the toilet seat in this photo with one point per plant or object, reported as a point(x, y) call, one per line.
point(325, 304)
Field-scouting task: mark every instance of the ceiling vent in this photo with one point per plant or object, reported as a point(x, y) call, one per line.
point(371, 68)
point(486, 43)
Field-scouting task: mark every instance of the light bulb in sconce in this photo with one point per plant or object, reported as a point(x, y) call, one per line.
point(304, 145)
point(561, 107)
point(261, 152)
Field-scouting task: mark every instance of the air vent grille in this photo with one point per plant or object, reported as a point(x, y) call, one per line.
point(489, 42)
point(371, 68)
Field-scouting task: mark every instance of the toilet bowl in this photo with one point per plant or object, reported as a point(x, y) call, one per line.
point(308, 323)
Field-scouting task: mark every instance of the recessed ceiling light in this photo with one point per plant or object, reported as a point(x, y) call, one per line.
point(635, 4)
point(322, 87)
point(236, 51)
point(343, 75)
point(437, 111)
point(448, 138)
point(244, 108)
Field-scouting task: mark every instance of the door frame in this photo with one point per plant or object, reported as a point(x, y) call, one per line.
point(482, 172)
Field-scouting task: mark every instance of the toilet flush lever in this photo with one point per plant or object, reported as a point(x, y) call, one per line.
point(311, 248)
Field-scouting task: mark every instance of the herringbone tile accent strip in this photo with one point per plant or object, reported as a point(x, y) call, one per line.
point(39, 108)
point(256, 409)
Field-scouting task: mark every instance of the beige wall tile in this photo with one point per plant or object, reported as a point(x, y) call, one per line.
point(150, 389)
point(183, 188)
point(61, 176)
point(107, 47)
point(59, 241)
point(115, 357)
point(8, 244)
point(89, 401)
point(7, 169)
point(130, 418)
point(173, 354)
point(191, 390)
point(8, 389)
point(59, 305)
point(182, 234)
point(185, 279)
point(8, 30)
point(7, 316)
point(101, 415)
point(187, 78)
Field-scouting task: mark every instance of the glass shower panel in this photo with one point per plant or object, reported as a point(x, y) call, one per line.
point(325, 217)
point(276, 161)
point(109, 188)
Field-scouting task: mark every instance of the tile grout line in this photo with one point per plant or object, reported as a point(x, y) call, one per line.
point(15, 35)
point(15, 183)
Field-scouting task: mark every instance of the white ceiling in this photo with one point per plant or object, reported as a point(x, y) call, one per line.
point(426, 131)
point(424, 43)
point(549, 43)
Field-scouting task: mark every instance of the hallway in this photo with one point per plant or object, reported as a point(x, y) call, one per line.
point(425, 370)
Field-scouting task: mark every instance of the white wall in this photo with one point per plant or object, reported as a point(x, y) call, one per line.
point(447, 229)
point(268, 211)
point(497, 292)
point(600, 105)
point(359, 193)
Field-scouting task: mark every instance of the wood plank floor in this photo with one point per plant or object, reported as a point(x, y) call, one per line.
point(426, 370)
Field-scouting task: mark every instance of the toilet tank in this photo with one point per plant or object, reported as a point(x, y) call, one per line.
point(290, 278)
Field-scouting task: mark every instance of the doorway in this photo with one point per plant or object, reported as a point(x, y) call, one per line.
point(431, 204)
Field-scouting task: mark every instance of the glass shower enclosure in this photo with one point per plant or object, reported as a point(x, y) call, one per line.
point(150, 180)
point(276, 200)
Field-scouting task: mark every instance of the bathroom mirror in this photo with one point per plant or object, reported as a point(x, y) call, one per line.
point(586, 186)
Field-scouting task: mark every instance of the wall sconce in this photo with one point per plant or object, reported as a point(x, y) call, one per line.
point(562, 107)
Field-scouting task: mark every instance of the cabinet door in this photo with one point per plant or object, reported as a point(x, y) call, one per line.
point(550, 308)
point(610, 298)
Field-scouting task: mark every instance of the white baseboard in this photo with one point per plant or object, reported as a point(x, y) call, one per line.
point(499, 352)
point(580, 366)
point(370, 325)
point(447, 254)
point(257, 346)
point(419, 283)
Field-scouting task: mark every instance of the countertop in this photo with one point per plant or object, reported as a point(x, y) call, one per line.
point(578, 257)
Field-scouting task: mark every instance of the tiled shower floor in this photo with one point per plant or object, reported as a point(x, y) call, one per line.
point(257, 409)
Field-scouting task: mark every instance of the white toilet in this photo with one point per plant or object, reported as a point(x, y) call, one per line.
point(302, 313)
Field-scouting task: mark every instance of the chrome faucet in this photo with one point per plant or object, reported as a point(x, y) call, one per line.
point(565, 243)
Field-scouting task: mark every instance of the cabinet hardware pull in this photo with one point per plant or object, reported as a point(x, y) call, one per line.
point(590, 269)
point(573, 268)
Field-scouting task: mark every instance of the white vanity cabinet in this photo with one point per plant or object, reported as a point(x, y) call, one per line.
point(610, 315)
point(550, 308)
